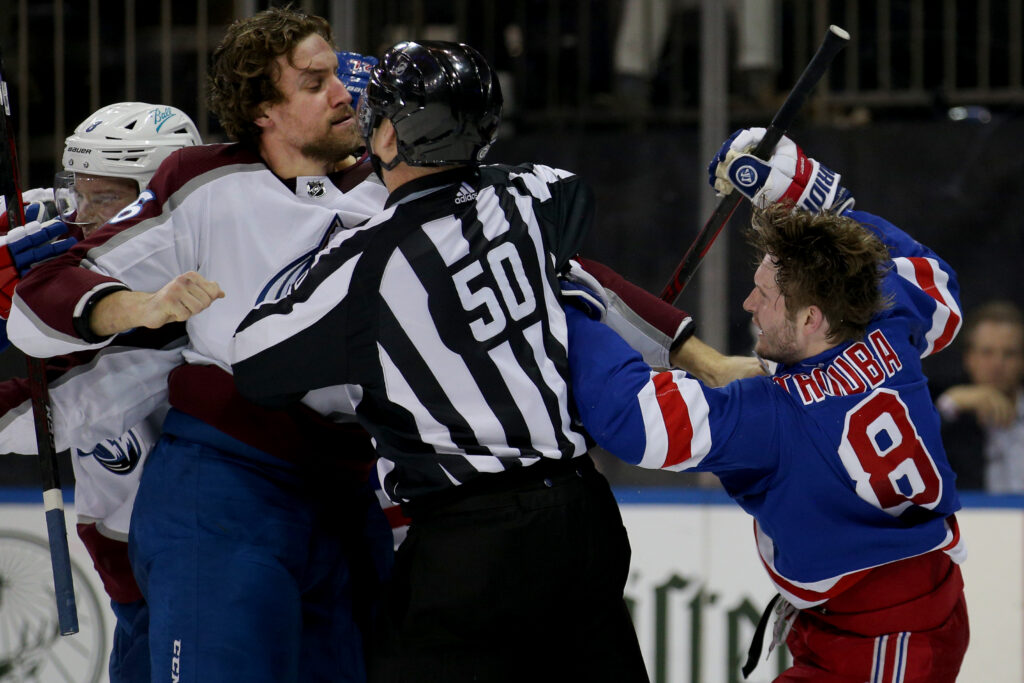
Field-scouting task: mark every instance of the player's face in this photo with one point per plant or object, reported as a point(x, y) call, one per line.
point(315, 118)
point(777, 335)
point(99, 198)
point(996, 356)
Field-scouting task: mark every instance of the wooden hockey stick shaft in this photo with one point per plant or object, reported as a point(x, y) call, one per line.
point(835, 39)
point(53, 499)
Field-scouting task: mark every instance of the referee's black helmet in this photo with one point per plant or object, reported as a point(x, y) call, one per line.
point(443, 99)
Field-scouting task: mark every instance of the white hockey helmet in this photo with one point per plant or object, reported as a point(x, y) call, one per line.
point(128, 140)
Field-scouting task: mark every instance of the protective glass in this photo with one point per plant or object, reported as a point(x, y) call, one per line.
point(84, 199)
point(65, 197)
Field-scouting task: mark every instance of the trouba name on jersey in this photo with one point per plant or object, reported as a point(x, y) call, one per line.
point(863, 365)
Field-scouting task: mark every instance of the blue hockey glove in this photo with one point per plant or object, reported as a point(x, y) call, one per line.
point(581, 289)
point(35, 242)
point(22, 248)
point(354, 73)
point(789, 175)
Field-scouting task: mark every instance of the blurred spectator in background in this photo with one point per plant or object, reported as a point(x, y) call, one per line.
point(657, 52)
point(983, 420)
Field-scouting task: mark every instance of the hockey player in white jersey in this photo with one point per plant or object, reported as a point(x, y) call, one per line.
point(112, 156)
point(246, 538)
point(108, 160)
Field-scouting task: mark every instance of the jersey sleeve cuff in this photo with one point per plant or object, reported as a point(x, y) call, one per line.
point(84, 309)
point(687, 328)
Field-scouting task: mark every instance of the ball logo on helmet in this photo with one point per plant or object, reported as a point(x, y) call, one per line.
point(161, 116)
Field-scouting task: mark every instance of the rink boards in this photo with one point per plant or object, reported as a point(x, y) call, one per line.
point(696, 589)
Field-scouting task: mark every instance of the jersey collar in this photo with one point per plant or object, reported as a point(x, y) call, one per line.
point(432, 181)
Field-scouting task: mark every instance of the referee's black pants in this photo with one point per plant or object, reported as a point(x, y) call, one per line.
point(518, 579)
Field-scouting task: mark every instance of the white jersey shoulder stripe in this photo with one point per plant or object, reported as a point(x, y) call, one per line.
point(176, 199)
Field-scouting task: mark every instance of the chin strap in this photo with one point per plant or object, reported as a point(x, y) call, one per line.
point(379, 166)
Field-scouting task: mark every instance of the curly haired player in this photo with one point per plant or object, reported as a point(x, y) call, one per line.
point(837, 455)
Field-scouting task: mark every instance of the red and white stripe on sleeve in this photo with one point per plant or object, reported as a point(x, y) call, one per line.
point(675, 414)
point(929, 276)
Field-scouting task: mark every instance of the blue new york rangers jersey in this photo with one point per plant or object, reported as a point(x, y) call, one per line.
point(838, 458)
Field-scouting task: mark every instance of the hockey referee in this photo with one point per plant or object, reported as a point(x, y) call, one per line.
point(439, 320)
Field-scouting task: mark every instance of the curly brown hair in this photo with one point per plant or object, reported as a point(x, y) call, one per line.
point(825, 260)
point(244, 67)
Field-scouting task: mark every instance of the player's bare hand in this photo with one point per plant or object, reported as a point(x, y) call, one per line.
point(183, 297)
point(710, 366)
point(729, 368)
point(992, 407)
point(180, 299)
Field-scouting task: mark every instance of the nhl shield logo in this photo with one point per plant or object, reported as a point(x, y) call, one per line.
point(315, 188)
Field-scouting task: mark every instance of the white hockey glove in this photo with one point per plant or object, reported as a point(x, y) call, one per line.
point(789, 175)
point(582, 289)
point(38, 205)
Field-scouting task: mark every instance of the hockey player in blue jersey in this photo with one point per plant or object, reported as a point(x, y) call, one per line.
point(837, 455)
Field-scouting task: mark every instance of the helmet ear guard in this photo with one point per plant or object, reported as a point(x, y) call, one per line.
point(128, 140)
point(442, 98)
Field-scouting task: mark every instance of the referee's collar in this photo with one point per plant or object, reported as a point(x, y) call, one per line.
point(432, 181)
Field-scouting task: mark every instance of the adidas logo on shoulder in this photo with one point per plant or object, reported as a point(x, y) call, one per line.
point(465, 194)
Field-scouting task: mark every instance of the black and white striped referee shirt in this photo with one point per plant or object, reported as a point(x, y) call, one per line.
point(440, 321)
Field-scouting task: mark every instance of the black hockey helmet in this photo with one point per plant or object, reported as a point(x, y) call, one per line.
point(443, 99)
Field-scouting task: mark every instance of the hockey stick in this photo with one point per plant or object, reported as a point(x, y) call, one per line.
point(835, 39)
point(53, 499)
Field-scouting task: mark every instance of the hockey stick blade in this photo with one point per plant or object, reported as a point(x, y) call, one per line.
point(835, 40)
point(53, 500)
